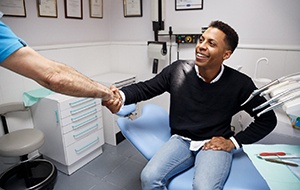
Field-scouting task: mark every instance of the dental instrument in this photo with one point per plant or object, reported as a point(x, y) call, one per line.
point(281, 162)
point(276, 97)
point(276, 86)
point(285, 99)
point(276, 81)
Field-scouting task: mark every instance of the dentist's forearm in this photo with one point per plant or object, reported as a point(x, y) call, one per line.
point(55, 76)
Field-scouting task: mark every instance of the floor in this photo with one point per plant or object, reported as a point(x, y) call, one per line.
point(117, 168)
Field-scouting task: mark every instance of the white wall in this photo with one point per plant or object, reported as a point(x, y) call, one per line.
point(37, 31)
point(267, 22)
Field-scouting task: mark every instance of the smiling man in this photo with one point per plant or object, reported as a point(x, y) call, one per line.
point(204, 95)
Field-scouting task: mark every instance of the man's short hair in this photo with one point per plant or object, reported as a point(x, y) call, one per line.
point(231, 37)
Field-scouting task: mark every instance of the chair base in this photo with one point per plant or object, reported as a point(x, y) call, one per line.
point(41, 175)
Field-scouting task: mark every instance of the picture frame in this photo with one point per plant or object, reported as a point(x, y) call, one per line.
point(15, 8)
point(183, 5)
point(73, 9)
point(133, 8)
point(96, 9)
point(47, 8)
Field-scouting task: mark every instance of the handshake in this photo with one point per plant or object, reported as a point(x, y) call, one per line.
point(115, 103)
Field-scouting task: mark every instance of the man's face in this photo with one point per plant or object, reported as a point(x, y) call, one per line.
point(211, 49)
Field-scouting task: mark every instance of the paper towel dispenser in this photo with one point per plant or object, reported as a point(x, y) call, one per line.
point(157, 50)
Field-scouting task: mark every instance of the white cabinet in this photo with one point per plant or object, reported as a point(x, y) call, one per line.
point(73, 130)
point(112, 132)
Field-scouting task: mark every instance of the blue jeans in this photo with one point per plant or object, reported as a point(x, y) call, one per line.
point(211, 167)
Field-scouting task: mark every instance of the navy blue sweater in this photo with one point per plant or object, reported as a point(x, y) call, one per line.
point(200, 110)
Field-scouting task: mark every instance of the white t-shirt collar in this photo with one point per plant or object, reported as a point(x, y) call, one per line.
point(215, 79)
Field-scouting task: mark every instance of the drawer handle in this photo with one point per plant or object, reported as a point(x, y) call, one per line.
point(87, 146)
point(85, 122)
point(56, 117)
point(84, 115)
point(85, 131)
point(83, 108)
point(80, 101)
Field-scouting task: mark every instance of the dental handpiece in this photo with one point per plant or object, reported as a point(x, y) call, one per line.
point(271, 100)
point(276, 81)
point(267, 91)
point(278, 104)
point(276, 97)
point(258, 91)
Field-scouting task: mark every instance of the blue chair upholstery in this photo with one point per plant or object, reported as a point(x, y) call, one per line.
point(149, 131)
point(126, 110)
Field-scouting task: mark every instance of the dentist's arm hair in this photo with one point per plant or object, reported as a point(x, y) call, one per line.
point(55, 76)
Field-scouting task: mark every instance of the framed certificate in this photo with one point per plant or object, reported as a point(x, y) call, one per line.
point(133, 8)
point(47, 8)
point(181, 5)
point(73, 9)
point(13, 8)
point(96, 8)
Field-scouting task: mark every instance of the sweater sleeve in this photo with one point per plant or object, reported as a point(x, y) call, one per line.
point(146, 90)
point(260, 127)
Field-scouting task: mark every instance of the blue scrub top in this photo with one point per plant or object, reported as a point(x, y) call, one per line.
point(9, 42)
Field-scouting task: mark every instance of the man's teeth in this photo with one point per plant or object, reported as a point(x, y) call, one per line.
point(201, 55)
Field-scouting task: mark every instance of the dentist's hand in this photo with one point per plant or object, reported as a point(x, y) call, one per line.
point(115, 103)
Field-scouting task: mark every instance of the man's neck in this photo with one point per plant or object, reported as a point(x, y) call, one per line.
point(209, 75)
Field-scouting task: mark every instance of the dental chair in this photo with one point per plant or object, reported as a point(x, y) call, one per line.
point(149, 131)
point(29, 173)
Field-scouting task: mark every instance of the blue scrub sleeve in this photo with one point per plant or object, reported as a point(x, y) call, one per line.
point(9, 42)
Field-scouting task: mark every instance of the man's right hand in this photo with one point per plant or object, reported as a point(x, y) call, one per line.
point(116, 102)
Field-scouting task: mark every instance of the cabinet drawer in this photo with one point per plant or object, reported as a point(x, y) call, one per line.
point(80, 116)
point(82, 106)
point(83, 123)
point(83, 147)
point(81, 133)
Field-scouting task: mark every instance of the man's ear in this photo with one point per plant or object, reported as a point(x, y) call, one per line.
point(227, 54)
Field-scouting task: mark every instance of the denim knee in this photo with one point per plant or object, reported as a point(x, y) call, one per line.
point(150, 179)
point(211, 169)
point(145, 176)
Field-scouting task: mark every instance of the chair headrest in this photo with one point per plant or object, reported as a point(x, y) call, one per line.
point(11, 106)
